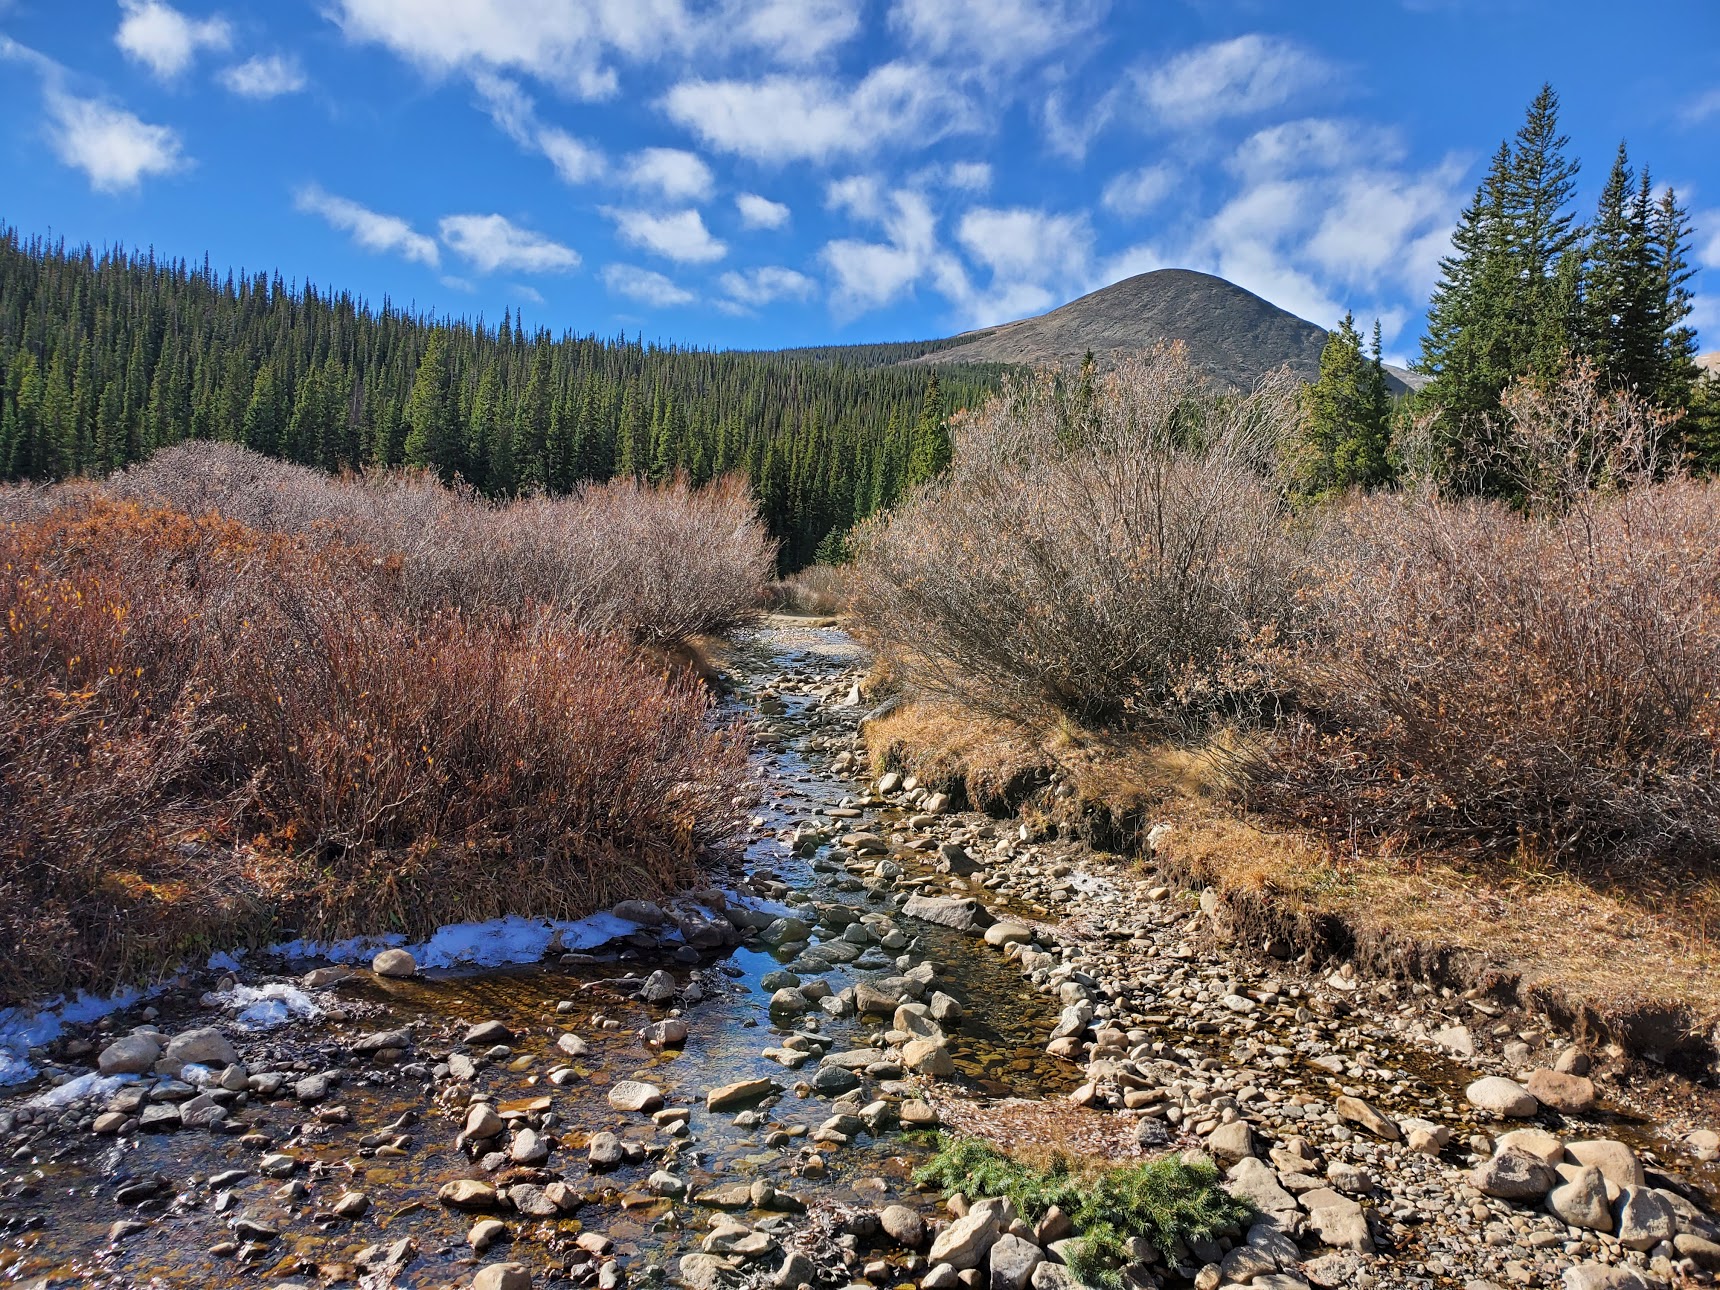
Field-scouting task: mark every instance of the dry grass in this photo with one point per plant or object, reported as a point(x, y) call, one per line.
point(1648, 944)
point(821, 591)
point(208, 732)
point(942, 744)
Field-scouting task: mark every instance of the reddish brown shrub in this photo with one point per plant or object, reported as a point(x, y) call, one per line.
point(207, 731)
point(657, 564)
point(1478, 677)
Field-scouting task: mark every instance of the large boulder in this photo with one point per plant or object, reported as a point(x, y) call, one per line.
point(1013, 1262)
point(1514, 1174)
point(1503, 1097)
point(1337, 1220)
point(635, 1095)
point(129, 1055)
point(959, 912)
point(1572, 1094)
point(394, 963)
point(1617, 1161)
point(1581, 1199)
point(206, 1046)
point(965, 1242)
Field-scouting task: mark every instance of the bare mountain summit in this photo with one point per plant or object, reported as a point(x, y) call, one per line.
point(1232, 333)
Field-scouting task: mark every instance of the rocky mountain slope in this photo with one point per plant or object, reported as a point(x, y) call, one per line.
point(1231, 332)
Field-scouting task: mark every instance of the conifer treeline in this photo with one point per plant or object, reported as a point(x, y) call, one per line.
point(105, 358)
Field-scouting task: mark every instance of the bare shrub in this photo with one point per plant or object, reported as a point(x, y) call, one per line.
point(822, 591)
point(207, 732)
point(1476, 676)
point(659, 565)
point(1102, 557)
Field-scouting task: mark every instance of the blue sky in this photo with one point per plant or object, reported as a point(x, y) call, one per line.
point(780, 172)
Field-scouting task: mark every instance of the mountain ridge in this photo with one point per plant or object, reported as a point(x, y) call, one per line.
point(1230, 332)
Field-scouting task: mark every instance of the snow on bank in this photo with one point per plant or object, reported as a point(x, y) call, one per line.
point(22, 1029)
point(263, 1007)
point(500, 941)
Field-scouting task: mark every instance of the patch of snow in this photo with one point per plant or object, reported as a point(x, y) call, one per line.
point(22, 1029)
point(222, 961)
point(512, 939)
point(93, 1085)
point(265, 1007)
point(1091, 884)
point(198, 1075)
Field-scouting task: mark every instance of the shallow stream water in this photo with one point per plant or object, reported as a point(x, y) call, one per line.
point(57, 1210)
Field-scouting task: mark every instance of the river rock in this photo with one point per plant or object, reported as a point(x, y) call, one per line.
point(669, 1033)
point(1001, 934)
point(1599, 1276)
point(703, 1271)
point(928, 1057)
point(468, 1193)
point(1537, 1142)
point(528, 1148)
point(1013, 1261)
point(1617, 1161)
point(1513, 1174)
point(129, 1055)
point(503, 1276)
point(1359, 1112)
point(1644, 1219)
point(487, 1033)
point(1581, 1199)
point(205, 1046)
point(958, 912)
point(485, 1233)
point(482, 1122)
point(739, 1093)
point(1253, 1181)
point(604, 1151)
point(1231, 1142)
point(394, 963)
point(1503, 1097)
point(635, 1095)
point(659, 988)
point(1337, 1220)
point(903, 1226)
point(351, 1205)
point(965, 1242)
point(1572, 1094)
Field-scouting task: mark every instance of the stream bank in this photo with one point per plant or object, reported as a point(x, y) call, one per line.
point(734, 1088)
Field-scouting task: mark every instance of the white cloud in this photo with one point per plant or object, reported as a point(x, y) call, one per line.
point(1703, 106)
point(165, 40)
point(1381, 226)
point(760, 212)
point(1708, 250)
point(1069, 132)
point(861, 196)
point(564, 42)
point(994, 32)
point(672, 173)
point(373, 231)
point(969, 176)
point(492, 242)
point(1231, 78)
point(1021, 243)
point(792, 31)
point(761, 286)
point(803, 118)
point(532, 294)
point(264, 77)
point(515, 115)
point(869, 275)
point(110, 145)
point(680, 236)
point(1135, 192)
point(645, 285)
point(1314, 145)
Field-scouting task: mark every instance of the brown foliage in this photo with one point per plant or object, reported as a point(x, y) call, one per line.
point(659, 565)
point(820, 591)
point(1478, 676)
point(1100, 559)
point(208, 732)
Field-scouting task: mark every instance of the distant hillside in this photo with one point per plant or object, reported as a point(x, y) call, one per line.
point(1710, 363)
point(1232, 333)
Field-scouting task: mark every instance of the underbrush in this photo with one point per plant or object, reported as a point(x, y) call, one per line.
point(1167, 1202)
point(1472, 677)
point(211, 733)
point(660, 565)
point(820, 591)
point(1104, 556)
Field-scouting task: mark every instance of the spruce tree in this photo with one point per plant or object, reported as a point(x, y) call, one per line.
point(1346, 421)
point(931, 451)
point(431, 438)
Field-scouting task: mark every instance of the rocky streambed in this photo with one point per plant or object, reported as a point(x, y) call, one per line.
point(734, 1087)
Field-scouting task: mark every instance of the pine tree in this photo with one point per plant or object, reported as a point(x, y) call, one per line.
point(1346, 422)
point(1619, 329)
point(931, 451)
point(431, 437)
point(1675, 373)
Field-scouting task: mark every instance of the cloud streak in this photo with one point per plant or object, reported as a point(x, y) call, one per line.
point(370, 230)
